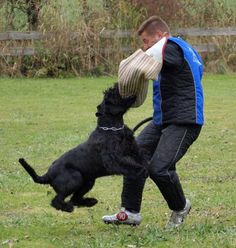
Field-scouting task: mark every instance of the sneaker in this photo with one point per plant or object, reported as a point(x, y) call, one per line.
point(123, 217)
point(177, 217)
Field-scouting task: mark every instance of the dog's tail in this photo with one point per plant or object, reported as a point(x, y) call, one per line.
point(141, 123)
point(37, 179)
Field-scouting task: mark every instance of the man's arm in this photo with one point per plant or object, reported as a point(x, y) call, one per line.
point(173, 55)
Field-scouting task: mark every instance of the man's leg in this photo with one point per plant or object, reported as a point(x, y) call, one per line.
point(174, 142)
point(133, 189)
point(131, 196)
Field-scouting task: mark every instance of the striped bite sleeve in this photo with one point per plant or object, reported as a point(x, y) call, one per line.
point(134, 74)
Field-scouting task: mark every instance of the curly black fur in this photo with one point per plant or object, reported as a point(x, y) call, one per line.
point(106, 152)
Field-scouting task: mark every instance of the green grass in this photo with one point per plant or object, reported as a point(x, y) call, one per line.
point(41, 118)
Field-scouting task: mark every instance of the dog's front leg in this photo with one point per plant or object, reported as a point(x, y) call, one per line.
point(126, 165)
point(132, 167)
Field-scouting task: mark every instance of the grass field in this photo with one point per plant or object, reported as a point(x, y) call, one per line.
point(42, 118)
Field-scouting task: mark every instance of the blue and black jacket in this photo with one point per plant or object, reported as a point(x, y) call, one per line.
point(177, 92)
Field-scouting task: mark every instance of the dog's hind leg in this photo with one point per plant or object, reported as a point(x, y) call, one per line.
point(78, 197)
point(65, 185)
point(59, 203)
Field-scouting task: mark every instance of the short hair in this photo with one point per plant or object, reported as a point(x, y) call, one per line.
point(152, 25)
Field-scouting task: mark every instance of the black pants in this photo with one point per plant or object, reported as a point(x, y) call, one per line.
point(163, 146)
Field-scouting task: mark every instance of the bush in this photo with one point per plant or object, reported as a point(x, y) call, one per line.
point(73, 42)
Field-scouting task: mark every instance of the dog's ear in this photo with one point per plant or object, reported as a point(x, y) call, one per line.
point(114, 109)
point(122, 107)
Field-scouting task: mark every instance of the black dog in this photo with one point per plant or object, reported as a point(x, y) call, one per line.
point(111, 149)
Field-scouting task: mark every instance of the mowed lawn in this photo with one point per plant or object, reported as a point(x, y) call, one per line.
point(42, 118)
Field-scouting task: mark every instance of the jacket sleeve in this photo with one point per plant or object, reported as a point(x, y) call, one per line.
point(173, 55)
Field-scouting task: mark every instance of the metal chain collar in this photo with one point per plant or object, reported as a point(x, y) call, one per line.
point(112, 128)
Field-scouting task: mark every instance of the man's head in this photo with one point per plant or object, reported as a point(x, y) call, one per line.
point(152, 30)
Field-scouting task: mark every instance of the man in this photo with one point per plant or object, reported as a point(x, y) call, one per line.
point(177, 122)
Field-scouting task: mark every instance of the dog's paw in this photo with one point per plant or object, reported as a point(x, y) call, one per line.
point(85, 202)
point(68, 207)
point(63, 206)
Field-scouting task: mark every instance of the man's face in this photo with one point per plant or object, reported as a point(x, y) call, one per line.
point(149, 40)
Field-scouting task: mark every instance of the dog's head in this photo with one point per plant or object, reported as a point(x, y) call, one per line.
point(113, 104)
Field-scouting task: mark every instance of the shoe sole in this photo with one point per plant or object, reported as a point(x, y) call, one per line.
point(120, 223)
point(189, 209)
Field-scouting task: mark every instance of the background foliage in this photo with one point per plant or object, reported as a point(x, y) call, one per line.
point(73, 42)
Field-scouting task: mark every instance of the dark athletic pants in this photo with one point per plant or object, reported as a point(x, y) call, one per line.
point(163, 146)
